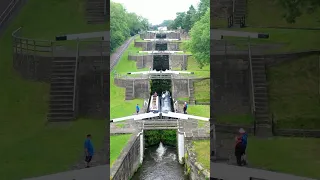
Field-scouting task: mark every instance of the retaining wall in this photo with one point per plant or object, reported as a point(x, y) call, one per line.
point(193, 168)
point(129, 160)
point(175, 60)
point(151, 45)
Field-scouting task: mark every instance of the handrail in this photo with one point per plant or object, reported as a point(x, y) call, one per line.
point(75, 78)
point(251, 77)
point(6, 12)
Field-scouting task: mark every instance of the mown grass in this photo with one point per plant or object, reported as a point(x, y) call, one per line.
point(298, 156)
point(291, 39)
point(294, 93)
point(117, 142)
point(202, 150)
point(29, 146)
point(200, 110)
point(241, 119)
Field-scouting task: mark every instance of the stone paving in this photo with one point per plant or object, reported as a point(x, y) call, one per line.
point(222, 171)
point(96, 173)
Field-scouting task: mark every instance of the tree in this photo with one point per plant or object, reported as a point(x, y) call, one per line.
point(124, 24)
point(119, 29)
point(199, 44)
point(188, 19)
point(295, 8)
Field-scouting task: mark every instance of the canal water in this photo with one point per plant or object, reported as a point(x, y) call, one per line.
point(160, 163)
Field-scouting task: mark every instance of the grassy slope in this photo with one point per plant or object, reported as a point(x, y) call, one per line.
point(27, 145)
point(293, 39)
point(294, 93)
point(117, 142)
point(299, 156)
point(202, 149)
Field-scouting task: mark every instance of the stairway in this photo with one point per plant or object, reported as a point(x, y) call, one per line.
point(262, 118)
point(62, 89)
point(95, 12)
point(129, 92)
point(239, 14)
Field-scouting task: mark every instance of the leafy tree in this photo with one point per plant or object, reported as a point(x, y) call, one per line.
point(295, 8)
point(124, 24)
point(199, 43)
point(188, 19)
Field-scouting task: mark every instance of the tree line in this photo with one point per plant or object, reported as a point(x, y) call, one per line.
point(195, 21)
point(124, 24)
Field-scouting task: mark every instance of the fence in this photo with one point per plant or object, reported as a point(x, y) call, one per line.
point(6, 14)
point(37, 47)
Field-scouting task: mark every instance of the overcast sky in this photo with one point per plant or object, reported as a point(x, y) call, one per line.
point(157, 10)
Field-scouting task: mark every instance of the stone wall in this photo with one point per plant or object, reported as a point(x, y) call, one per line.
point(141, 89)
point(146, 61)
point(93, 94)
point(231, 89)
point(194, 169)
point(150, 46)
point(180, 88)
point(33, 67)
point(129, 160)
point(141, 86)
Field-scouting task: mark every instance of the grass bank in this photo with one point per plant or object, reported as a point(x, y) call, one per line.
point(298, 156)
point(202, 149)
point(294, 93)
point(117, 142)
point(23, 104)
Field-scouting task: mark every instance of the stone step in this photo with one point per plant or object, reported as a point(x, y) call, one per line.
point(60, 119)
point(61, 105)
point(62, 74)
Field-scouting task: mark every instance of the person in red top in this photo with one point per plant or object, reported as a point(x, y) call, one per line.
point(238, 150)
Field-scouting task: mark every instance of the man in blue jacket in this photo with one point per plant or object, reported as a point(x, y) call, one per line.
point(137, 108)
point(88, 149)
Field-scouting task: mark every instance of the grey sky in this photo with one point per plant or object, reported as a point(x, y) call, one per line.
point(157, 10)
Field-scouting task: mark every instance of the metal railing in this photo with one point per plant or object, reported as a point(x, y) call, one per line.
point(8, 11)
point(253, 106)
point(75, 78)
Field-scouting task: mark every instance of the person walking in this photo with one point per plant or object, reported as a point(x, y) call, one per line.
point(89, 150)
point(137, 108)
point(240, 147)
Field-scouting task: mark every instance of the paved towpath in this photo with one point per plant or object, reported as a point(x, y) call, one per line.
point(95, 173)
point(222, 171)
point(117, 54)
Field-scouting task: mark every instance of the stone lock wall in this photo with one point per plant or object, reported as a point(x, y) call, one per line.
point(141, 89)
point(180, 88)
point(178, 61)
point(128, 161)
point(193, 168)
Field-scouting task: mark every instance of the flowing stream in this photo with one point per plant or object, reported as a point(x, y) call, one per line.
point(160, 163)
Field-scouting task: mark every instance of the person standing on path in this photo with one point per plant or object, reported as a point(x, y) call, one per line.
point(244, 141)
point(88, 149)
point(185, 107)
point(240, 148)
point(137, 108)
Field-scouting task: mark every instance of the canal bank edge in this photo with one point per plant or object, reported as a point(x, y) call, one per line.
point(129, 160)
point(193, 168)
